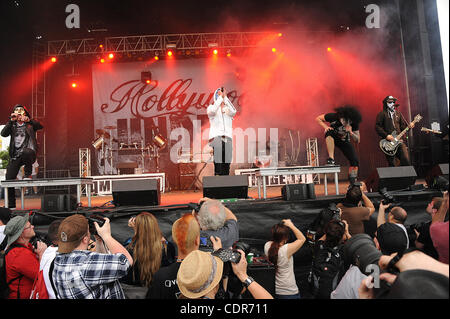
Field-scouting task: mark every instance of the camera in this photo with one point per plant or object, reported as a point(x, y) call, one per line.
point(95, 218)
point(335, 212)
point(440, 183)
point(227, 255)
point(387, 198)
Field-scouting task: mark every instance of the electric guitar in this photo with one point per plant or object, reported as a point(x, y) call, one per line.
point(391, 147)
point(424, 129)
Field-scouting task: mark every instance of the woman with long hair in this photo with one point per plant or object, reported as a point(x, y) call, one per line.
point(150, 250)
point(280, 253)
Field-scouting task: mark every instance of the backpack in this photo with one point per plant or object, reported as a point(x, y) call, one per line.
point(4, 285)
point(327, 270)
point(39, 290)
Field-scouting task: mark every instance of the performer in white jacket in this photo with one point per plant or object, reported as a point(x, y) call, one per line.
point(221, 114)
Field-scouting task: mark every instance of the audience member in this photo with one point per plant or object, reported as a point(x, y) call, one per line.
point(217, 220)
point(5, 216)
point(81, 274)
point(200, 274)
point(22, 259)
point(149, 249)
point(356, 208)
point(423, 241)
point(439, 231)
point(280, 253)
point(186, 235)
point(420, 277)
point(391, 234)
point(328, 262)
point(49, 255)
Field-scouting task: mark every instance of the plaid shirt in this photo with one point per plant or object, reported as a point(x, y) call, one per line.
point(83, 274)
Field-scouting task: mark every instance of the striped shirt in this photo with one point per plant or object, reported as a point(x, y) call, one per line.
point(82, 274)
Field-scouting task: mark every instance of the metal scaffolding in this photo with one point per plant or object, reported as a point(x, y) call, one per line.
point(155, 43)
point(38, 106)
point(312, 154)
point(84, 155)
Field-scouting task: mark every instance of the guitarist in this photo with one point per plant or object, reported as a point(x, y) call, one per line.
point(389, 120)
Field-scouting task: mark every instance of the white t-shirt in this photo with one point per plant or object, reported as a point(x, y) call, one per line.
point(285, 283)
point(2, 233)
point(47, 258)
point(349, 284)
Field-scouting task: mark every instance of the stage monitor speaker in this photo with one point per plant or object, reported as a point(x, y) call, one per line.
point(220, 187)
point(391, 178)
point(53, 203)
point(436, 171)
point(136, 192)
point(292, 192)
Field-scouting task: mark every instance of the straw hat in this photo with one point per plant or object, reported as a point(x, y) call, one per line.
point(199, 273)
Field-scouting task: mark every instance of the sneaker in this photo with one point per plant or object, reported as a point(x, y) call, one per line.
point(330, 161)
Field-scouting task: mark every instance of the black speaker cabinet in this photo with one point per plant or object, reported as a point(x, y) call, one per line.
point(220, 187)
point(438, 170)
point(136, 192)
point(393, 178)
point(294, 192)
point(53, 203)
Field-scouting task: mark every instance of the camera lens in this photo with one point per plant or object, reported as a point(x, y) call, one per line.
point(360, 250)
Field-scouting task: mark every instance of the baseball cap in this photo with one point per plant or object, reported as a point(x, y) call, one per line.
point(70, 232)
point(392, 239)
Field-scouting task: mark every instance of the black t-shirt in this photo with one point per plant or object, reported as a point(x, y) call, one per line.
point(164, 284)
point(425, 239)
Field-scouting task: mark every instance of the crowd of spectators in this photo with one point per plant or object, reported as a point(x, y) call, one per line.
point(84, 261)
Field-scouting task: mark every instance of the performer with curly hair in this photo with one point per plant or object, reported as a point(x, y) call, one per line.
point(343, 127)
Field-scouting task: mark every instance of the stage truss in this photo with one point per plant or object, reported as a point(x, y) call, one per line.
point(156, 43)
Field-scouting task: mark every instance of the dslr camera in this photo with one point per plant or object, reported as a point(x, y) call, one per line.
point(387, 198)
point(95, 218)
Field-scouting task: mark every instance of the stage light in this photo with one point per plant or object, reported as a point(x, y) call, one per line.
point(329, 49)
point(111, 56)
point(215, 51)
point(102, 60)
point(74, 84)
point(169, 53)
point(156, 58)
point(53, 59)
point(148, 81)
point(274, 50)
point(280, 34)
point(101, 46)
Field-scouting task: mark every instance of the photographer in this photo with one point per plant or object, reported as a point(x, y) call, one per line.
point(200, 275)
point(328, 263)
point(419, 277)
point(81, 274)
point(280, 253)
point(423, 241)
point(439, 231)
point(391, 235)
point(22, 259)
point(356, 208)
point(217, 220)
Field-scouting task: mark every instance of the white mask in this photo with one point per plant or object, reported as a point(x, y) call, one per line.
point(391, 105)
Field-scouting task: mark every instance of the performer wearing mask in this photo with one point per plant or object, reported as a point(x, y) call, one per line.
point(220, 115)
point(389, 120)
point(343, 128)
point(22, 146)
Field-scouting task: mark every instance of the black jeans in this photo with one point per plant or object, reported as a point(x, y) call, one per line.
point(402, 155)
point(27, 159)
point(223, 154)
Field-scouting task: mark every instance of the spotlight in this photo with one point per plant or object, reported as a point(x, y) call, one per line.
point(329, 49)
point(111, 56)
point(169, 53)
point(156, 58)
point(74, 85)
point(146, 77)
point(280, 34)
point(274, 50)
point(53, 59)
point(215, 51)
point(102, 60)
point(101, 46)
